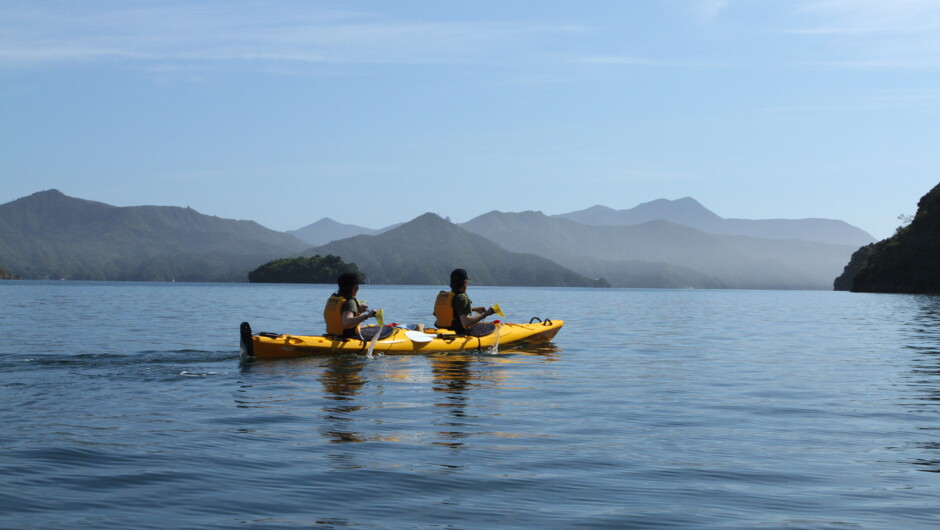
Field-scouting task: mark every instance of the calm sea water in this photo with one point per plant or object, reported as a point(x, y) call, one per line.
point(125, 406)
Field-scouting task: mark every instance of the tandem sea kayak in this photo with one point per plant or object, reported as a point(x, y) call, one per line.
point(393, 339)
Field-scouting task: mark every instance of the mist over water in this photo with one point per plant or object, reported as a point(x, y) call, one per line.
point(125, 405)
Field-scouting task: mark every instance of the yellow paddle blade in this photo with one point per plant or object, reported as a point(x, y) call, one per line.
point(498, 311)
point(380, 317)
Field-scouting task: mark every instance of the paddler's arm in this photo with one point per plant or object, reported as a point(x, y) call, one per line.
point(469, 320)
point(350, 320)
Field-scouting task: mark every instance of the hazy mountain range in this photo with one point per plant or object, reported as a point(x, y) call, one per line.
point(426, 249)
point(326, 230)
point(686, 212)
point(657, 244)
point(51, 235)
point(689, 212)
point(665, 254)
point(677, 244)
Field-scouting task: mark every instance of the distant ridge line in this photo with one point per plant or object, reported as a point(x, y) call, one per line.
point(689, 212)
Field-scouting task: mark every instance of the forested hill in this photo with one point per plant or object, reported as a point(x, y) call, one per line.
point(51, 235)
point(425, 250)
point(908, 262)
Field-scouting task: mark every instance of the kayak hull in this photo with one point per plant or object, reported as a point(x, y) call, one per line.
point(400, 341)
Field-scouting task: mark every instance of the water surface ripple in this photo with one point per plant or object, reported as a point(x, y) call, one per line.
point(126, 406)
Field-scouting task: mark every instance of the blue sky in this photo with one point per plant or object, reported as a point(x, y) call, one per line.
point(373, 113)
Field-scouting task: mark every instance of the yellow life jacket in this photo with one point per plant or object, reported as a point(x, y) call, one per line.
point(333, 314)
point(444, 309)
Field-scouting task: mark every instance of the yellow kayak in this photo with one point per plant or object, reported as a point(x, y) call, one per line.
point(395, 340)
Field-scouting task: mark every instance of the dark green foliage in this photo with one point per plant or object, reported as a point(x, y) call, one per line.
point(909, 261)
point(7, 275)
point(859, 258)
point(315, 269)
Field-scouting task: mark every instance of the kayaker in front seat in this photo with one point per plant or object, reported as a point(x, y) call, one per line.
point(343, 312)
point(454, 310)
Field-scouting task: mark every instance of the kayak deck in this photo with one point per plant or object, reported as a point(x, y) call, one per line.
point(393, 340)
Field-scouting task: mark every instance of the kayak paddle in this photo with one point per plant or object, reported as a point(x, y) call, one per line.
point(380, 318)
point(498, 310)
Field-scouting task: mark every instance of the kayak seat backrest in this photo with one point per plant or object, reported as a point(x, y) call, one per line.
point(482, 329)
point(368, 333)
point(477, 330)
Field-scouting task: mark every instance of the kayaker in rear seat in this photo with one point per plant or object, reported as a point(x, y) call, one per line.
point(343, 312)
point(454, 310)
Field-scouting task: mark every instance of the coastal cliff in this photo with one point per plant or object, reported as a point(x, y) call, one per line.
point(907, 262)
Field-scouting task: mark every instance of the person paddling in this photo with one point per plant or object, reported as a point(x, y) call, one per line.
point(454, 310)
point(343, 312)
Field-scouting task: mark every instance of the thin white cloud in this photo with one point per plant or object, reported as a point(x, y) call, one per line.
point(709, 9)
point(873, 34)
point(871, 16)
point(53, 52)
point(613, 59)
point(253, 32)
point(885, 101)
point(915, 60)
point(701, 11)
